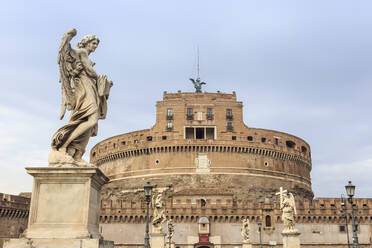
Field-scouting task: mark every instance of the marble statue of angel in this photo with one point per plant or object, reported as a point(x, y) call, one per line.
point(288, 207)
point(159, 213)
point(245, 230)
point(85, 94)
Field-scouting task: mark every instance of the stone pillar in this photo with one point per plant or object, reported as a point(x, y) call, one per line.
point(65, 207)
point(291, 239)
point(157, 240)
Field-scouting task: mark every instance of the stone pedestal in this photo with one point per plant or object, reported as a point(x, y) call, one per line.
point(157, 240)
point(172, 245)
point(65, 206)
point(291, 239)
point(58, 243)
point(246, 245)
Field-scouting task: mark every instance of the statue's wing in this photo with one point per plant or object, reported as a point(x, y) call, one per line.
point(67, 59)
point(293, 203)
point(192, 80)
point(202, 83)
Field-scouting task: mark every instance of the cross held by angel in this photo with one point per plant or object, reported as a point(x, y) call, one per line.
point(85, 94)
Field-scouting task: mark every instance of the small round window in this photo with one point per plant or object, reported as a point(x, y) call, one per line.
point(266, 164)
point(157, 162)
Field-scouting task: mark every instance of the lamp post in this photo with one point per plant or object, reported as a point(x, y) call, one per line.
point(260, 231)
point(343, 211)
point(148, 189)
point(350, 190)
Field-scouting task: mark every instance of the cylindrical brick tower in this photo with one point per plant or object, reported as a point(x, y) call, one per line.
point(200, 142)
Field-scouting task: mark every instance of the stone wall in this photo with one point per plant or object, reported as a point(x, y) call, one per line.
point(320, 221)
point(14, 212)
point(312, 235)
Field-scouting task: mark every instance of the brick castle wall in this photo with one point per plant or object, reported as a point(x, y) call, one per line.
point(14, 210)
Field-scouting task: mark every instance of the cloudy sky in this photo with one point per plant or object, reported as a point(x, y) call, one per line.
point(302, 67)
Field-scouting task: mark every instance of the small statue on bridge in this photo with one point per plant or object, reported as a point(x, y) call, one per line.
point(245, 230)
point(159, 213)
point(288, 207)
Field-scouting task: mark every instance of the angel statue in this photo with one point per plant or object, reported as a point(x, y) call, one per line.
point(159, 213)
point(84, 93)
point(288, 207)
point(245, 230)
point(170, 230)
point(197, 84)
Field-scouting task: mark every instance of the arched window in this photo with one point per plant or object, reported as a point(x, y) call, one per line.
point(303, 149)
point(268, 221)
point(290, 144)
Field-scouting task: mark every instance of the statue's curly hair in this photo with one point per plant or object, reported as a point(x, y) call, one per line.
point(87, 38)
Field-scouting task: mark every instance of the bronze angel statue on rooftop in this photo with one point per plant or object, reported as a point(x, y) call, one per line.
point(197, 84)
point(85, 94)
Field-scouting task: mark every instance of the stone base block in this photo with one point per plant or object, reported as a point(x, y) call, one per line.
point(65, 203)
point(291, 240)
point(247, 245)
point(157, 240)
point(58, 243)
point(172, 245)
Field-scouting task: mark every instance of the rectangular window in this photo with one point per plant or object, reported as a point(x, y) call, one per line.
point(229, 114)
point(209, 114)
point(229, 126)
point(210, 132)
point(143, 204)
point(169, 114)
point(189, 133)
point(276, 141)
point(189, 114)
point(169, 126)
point(199, 133)
point(342, 228)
